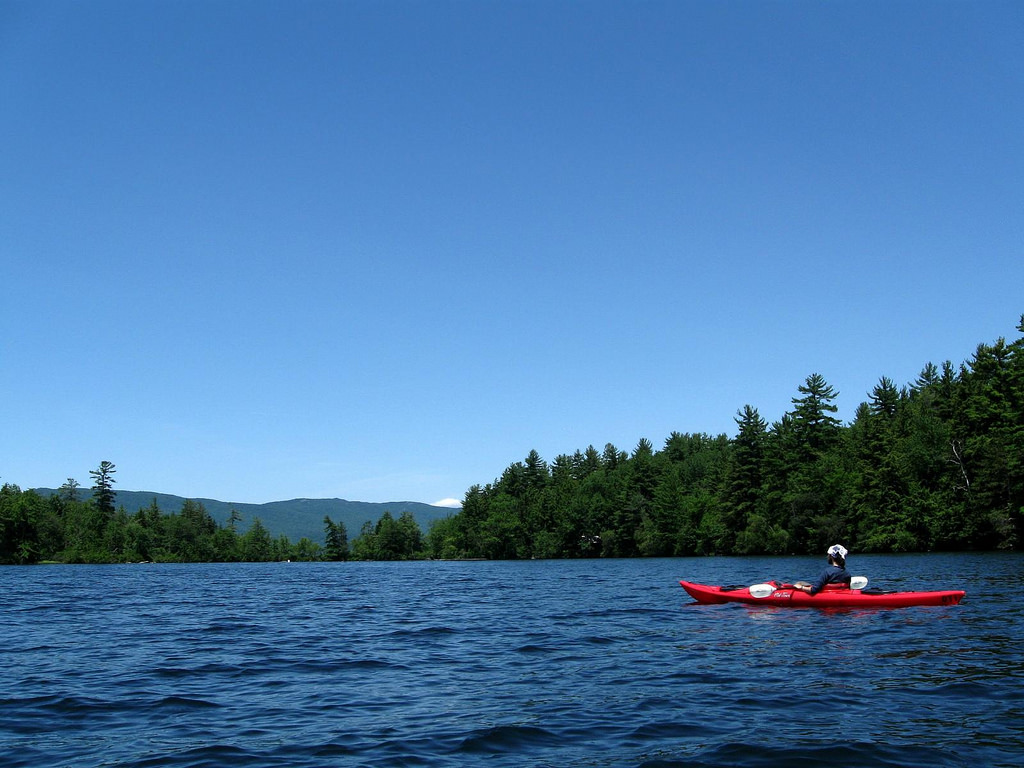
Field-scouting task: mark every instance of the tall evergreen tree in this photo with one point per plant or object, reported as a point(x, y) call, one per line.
point(257, 545)
point(69, 491)
point(336, 540)
point(535, 471)
point(103, 487)
point(989, 429)
point(746, 469)
point(813, 423)
point(885, 398)
point(612, 457)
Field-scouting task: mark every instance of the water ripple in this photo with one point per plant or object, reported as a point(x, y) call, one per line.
point(581, 664)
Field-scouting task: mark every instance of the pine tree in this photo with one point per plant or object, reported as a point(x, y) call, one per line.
point(103, 487)
point(336, 538)
point(746, 469)
point(815, 427)
point(257, 546)
point(69, 491)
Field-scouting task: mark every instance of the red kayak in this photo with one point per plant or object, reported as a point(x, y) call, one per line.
point(832, 596)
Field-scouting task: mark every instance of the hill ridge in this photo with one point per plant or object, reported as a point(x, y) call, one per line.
point(295, 518)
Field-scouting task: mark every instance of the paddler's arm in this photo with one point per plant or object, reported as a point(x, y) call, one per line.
point(810, 589)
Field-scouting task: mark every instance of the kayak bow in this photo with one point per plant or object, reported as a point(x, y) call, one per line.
point(833, 596)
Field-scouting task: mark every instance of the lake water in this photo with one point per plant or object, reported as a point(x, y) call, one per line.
point(546, 663)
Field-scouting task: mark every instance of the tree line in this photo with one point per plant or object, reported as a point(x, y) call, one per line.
point(934, 465)
point(72, 526)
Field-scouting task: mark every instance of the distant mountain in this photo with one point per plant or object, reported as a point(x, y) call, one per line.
point(295, 518)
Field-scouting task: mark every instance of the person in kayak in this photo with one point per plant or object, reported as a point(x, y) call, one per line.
point(834, 573)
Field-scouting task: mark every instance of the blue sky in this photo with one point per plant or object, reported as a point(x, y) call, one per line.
point(380, 250)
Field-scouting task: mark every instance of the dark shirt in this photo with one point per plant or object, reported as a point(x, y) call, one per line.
point(832, 574)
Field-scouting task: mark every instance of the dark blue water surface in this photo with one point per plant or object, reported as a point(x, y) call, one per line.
point(546, 663)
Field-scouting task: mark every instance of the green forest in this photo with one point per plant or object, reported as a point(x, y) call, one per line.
point(934, 465)
point(76, 526)
point(937, 464)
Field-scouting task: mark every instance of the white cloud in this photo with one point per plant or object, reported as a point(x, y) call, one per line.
point(453, 503)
